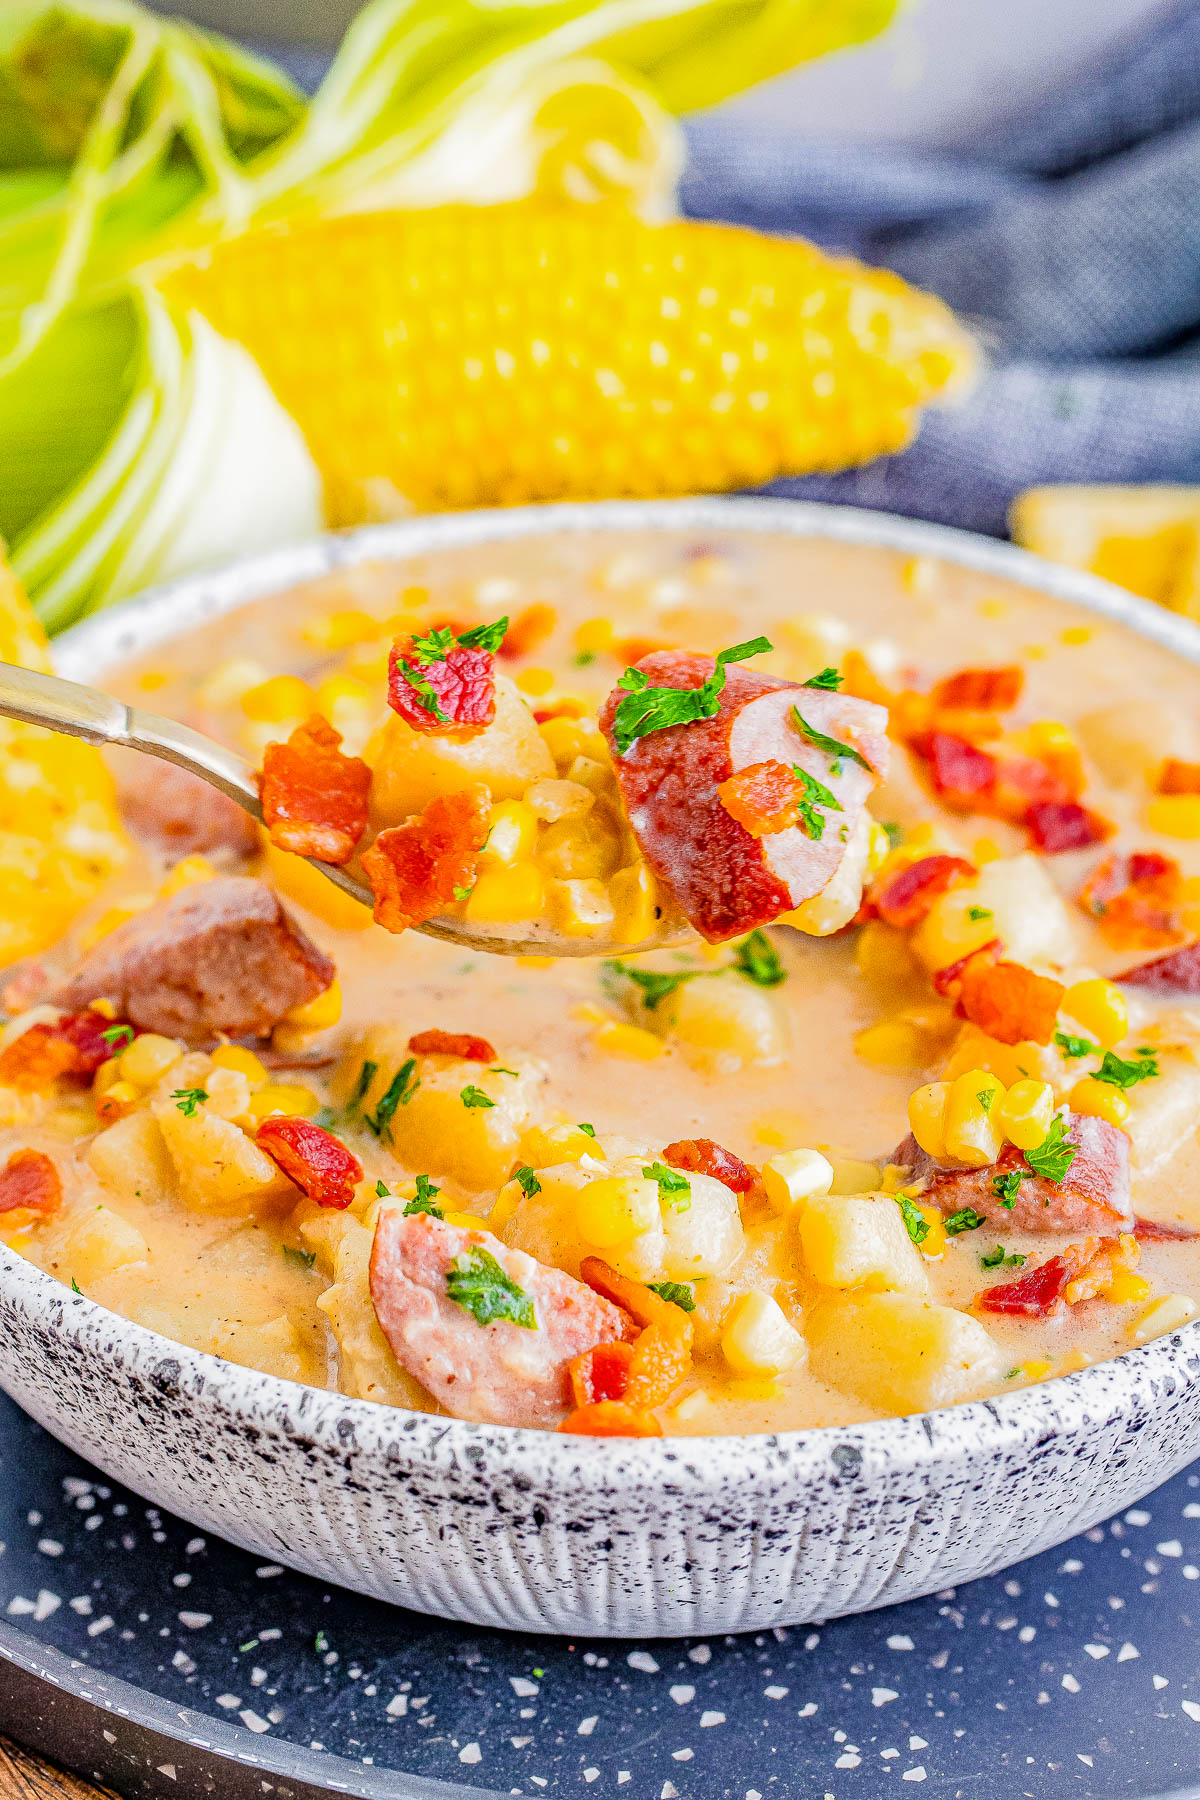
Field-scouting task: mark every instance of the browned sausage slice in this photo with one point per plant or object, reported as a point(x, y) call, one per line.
point(1092, 1196)
point(499, 1373)
point(217, 957)
point(724, 879)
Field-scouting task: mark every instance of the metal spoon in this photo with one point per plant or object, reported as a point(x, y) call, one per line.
point(84, 712)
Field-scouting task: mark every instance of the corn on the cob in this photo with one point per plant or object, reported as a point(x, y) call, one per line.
point(492, 355)
point(60, 833)
point(1146, 539)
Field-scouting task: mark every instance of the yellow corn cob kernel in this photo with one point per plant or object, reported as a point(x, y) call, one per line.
point(106, 1075)
point(278, 698)
point(1036, 1370)
point(340, 630)
point(1074, 635)
point(614, 1209)
point(898, 1043)
point(1099, 1007)
point(594, 636)
point(468, 1220)
point(1073, 1361)
point(564, 739)
point(504, 896)
point(933, 1244)
point(107, 1008)
point(545, 1146)
point(588, 1013)
point(1125, 1288)
point(318, 1014)
point(345, 696)
point(512, 832)
point(794, 1177)
point(1175, 815)
point(1025, 1113)
point(189, 871)
point(972, 1133)
point(927, 1117)
point(283, 1097)
point(518, 352)
point(1146, 539)
point(634, 897)
point(507, 1202)
point(148, 1058)
point(244, 1062)
point(1161, 1316)
point(228, 1095)
point(629, 1041)
point(535, 682)
point(758, 1338)
point(878, 846)
point(1099, 1100)
point(986, 850)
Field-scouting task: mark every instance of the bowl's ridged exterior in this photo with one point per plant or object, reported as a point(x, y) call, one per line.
point(527, 1529)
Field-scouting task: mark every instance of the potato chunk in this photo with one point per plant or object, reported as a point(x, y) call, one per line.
point(130, 1157)
point(899, 1353)
point(724, 1022)
point(856, 1240)
point(274, 1347)
point(369, 1370)
point(410, 768)
point(1027, 913)
point(218, 1168)
point(100, 1243)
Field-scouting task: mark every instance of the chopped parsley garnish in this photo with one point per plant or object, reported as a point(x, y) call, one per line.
point(677, 1292)
point(645, 709)
point(320, 1643)
point(366, 1076)
point(433, 646)
point(382, 1191)
point(829, 679)
point(832, 746)
point(1075, 1047)
point(584, 659)
point(656, 984)
point(305, 1258)
point(495, 1069)
point(1121, 1074)
point(485, 637)
point(976, 913)
point(674, 1189)
point(1000, 1258)
point(188, 1099)
point(401, 1088)
point(986, 1098)
point(915, 1222)
point(424, 690)
point(587, 1130)
point(1054, 1155)
point(1007, 1187)
point(527, 1181)
point(965, 1219)
point(813, 796)
point(893, 832)
point(485, 1290)
point(424, 1200)
point(475, 1096)
point(75, 1287)
point(325, 1117)
point(758, 961)
point(117, 1036)
point(464, 893)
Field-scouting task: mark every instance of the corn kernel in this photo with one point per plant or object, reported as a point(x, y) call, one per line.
point(612, 1210)
point(758, 1338)
point(588, 1013)
point(188, 872)
point(794, 1177)
point(555, 800)
point(634, 900)
point(512, 832)
point(1126, 1287)
point(1025, 1113)
point(106, 1008)
point(318, 1014)
point(1099, 1007)
point(564, 739)
point(1161, 1316)
point(594, 636)
point(116, 1101)
point(1099, 1100)
point(507, 1202)
point(536, 962)
point(986, 850)
point(1037, 1370)
point(894, 1044)
point(110, 919)
point(753, 1387)
point(544, 1146)
point(148, 1058)
point(972, 1133)
point(878, 846)
point(1076, 634)
point(1175, 815)
point(228, 1094)
point(340, 630)
point(628, 1040)
point(535, 682)
point(580, 908)
point(853, 1176)
point(469, 1221)
point(927, 1117)
point(933, 1244)
point(106, 1075)
point(1075, 1360)
point(345, 695)
point(279, 698)
point(233, 1056)
point(506, 896)
point(283, 1097)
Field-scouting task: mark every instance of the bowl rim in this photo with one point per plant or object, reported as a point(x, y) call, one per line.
point(999, 1423)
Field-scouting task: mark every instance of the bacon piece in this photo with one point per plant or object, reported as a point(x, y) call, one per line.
point(1178, 972)
point(217, 957)
point(1111, 1257)
point(1079, 1272)
point(948, 981)
point(904, 898)
point(500, 1373)
point(1158, 1231)
point(1177, 777)
point(662, 1350)
point(724, 880)
point(73, 1045)
point(318, 1163)
point(29, 1181)
point(601, 1373)
point(1003, 785)
point(763, 798)
point(314, 799)
point(1009, 1002)
point(531, 627)
point(611, 1419)
point(961, 773)
point(700, 1156)
point(452, 1043)
point(1057, 825)
point(1137, 898)
point(182, 814)
point(982, 690)
point(1093, 1195)
point(414, 868)
point(454, 695)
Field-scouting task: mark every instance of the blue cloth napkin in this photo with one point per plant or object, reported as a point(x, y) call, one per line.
point(1070, 241)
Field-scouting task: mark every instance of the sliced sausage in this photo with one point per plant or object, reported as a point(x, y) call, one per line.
point(1092, 1196)
point(1178, 972)
point(725, 880)
point(218, 957)
point(182, 815)
point(500, 1373)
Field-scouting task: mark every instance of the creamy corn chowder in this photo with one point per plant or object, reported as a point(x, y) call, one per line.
point(909, 1119)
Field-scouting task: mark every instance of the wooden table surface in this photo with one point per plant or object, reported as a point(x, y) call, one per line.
point(26, 1777)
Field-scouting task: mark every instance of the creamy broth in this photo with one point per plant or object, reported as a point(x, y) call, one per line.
point(248, 1286)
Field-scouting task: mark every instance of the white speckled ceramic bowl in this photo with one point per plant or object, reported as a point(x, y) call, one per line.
point(624, 1538)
